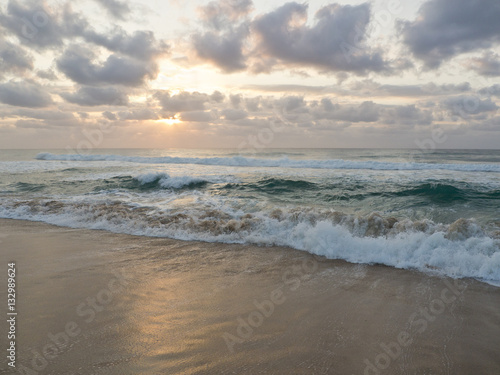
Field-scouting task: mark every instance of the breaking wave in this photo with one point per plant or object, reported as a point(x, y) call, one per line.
point(167, 182)
point(460, 249)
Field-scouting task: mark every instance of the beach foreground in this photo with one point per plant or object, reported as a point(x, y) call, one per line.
point(94, 302)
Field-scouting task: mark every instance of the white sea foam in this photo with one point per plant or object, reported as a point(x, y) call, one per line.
point(461, 249)
point(239, 161)
point(168, 182)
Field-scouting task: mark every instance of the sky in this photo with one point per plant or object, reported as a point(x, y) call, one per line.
point(249, 74)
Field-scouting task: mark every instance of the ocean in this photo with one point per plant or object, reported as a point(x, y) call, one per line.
point(436, 212)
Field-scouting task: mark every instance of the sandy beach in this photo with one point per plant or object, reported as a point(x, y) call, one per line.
point(94, 302)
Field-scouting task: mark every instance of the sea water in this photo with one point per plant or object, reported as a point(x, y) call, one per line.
point(436, 212)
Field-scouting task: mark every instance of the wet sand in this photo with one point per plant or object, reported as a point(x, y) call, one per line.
point(93, 302)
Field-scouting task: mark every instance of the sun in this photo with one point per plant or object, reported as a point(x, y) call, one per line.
point(170, 121)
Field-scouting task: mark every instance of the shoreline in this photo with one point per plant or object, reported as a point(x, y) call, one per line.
point(156, 305)
point(429, 271)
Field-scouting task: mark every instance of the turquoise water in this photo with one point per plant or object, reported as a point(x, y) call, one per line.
point(430, 211)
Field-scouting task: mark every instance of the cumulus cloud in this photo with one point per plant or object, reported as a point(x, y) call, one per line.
point(224, 13)
point(118, 9)
point(41, 26)
point(234, 114)
point(488, 65)
point(446, 28)
point(408, 115)
point(47, 74)
point(95, 96)
point(293, 104)
point(283, 37)
point(33, 22)
point(333, 43)
point(141, 44)
point(182, 102)
point(24, 94)
point(109, 115)
point(255, 104)
point(493, 90)
point(223, 50)
point(468, 105)
point(365, 112)
point(222, 44)
point(13, 59)
point(77, 64)
point(235, 100)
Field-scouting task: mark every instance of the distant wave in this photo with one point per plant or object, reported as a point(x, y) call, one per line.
point(240, 161)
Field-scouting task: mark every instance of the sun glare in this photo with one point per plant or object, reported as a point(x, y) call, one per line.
point(170, 121)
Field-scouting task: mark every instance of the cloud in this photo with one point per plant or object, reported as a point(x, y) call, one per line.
point(217, 97)
point(365, 112)
point(182, 102)
point(24, 94)
point(446, 28)
point(223, 13)
point(493, 90)
point(429, 89)
point(254, 104)
point(77, 64)
point(222, 44)
point(118, 9)
point(294, 104)
point(95, 96)
point(334, 43)
point(141, 45)
point(45, 114)
point(109, 115)
point(33, 22)
point(468, 105)
point(283, 38)
point(41, 26)
point(138, 115)
point(47, 74)
point(13, 59)
point(488, 65)
point(234, 114)
point(491, 124)
point(30, 124)
point(223, 50)
point(408, 115)
point(198, 116)
point(368, 88)
point(288, 88)
point(235, 100)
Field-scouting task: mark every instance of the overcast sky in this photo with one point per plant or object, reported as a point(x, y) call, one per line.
point(237, 73)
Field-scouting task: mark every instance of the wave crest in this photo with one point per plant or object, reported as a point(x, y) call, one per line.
point(460, 249)
point(167, 182)
point(240, 161)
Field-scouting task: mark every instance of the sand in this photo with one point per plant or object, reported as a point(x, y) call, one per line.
point(93, 302)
